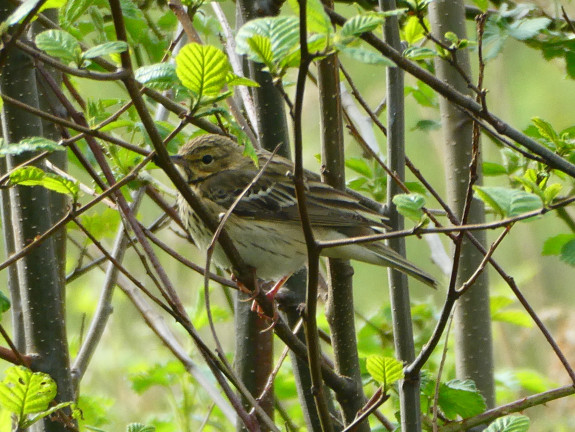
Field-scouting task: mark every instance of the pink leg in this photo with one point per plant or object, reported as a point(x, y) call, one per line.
point(270, 295)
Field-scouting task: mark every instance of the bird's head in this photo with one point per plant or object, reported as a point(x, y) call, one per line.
point(206, 155)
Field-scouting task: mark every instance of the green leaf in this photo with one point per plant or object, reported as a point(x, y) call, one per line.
point(460, 398)
point(202, 69)
point(261, 49)
point(412, 30)
point(419, 53)
point(234, 80)
point(410, 205)
point(159, 76)
point(35, 144)
point(528, 28)
point(22, 11)
point(25, 392)
point(105, 49)
point(508, 202)
point(493, 169)
point(359, 24)
point(568, 253)
point(385, 370)
point(282, 33)
point(553, 245)
point(551, 192)
point(513, 423)
point(317, 19)
point(481, 4)
point(545, 129)
point(365, 55)
point(427, 125)
point(73, 9)
point(4, 302)
point(33, 176)
point(59, 43)
point(360, 166)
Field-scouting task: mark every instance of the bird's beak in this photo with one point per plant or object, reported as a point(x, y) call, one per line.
point(178, 160)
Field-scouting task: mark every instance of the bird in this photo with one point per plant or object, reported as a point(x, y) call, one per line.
point(265, 224)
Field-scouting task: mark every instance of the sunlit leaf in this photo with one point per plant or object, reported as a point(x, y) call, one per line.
point(105, 49)
point(410, 205)
point(512, 423)
point(460, 398)
point(553, 245)
point(365, 55)
point(33, 176)
point(59, 43)
point(25, 392)
point(359, 24)
point(202, 69)
point(35, 144)
point(385, 370)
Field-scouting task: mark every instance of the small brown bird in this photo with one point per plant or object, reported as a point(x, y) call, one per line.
point(265, 225)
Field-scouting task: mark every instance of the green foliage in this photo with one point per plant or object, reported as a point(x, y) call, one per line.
point(501, 312)
point(410, 206)
point(507, 202)
point(4, 303)
point(385, 370)
point(456, 397)
point(33, 176)
point(24, 393)
point(204, 70)
point(513, 423)
point(61, 44)
point(34, 144)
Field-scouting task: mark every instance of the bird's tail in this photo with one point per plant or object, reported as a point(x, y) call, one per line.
point(380, 254)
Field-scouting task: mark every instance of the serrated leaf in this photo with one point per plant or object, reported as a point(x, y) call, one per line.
point(385, 370)
point(33, 176)
point(105, 49)
point(161, 75)
point(365, 55)
point(59, 43)
point(410, 205)
point(553, 245)
point(282, 32)
point(35, 144)
point(359, 24)
point(568, 253)
point(514, 423)
point(508, 202)
point(460, 398)
point(139, 427)
point(202, 69)
point(261, 50)
point(545, 129)
point(25, 392)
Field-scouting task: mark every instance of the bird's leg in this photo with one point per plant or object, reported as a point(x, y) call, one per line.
point(271, 296)
point(245, 290)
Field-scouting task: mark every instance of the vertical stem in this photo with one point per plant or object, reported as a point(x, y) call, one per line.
point(398, 285)
point(339, 308)
point(473, 348)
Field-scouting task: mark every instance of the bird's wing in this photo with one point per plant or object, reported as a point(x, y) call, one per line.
point(273, 198)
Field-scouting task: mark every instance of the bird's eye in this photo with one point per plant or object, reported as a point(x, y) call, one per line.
point(207, 159)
